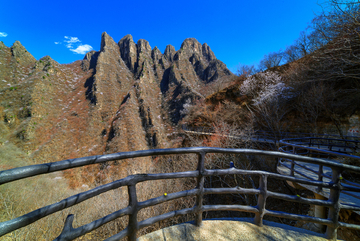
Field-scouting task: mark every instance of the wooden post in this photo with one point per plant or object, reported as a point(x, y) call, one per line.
point(261, 200)
point(320, 177)
point(200, 187)
point(331, 232)
point(133, 224)
point(292, 172)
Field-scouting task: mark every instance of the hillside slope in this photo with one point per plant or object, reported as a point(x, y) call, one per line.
point(125, 97)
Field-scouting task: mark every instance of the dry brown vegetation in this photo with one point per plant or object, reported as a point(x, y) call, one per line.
point(327, 93)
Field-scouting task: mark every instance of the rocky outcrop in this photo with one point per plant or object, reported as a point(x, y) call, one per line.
point(144, 56)
point(189, 47)
point(112, 80)
point(21, 54)
point(160, 63)
point(208, 53)
point(156, 55)
point(128, 50)
point(169, 52)
point(47, 64)
point(2, 45)
point(193, 66)
point(215, 70)
point(89, 61)
point(124, 97)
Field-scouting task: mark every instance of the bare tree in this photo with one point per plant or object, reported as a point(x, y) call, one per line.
point(244, 70)
point(270, 115)
point(339, 27)
point(319, 100)
point(303, 44)
point(291, 54)
point(271, 60)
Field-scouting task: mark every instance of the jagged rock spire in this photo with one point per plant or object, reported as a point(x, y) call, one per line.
point(108, 42)
point(128, 50)
point(207, 52)
point(169, 52)
point(143, 46)
point(20, 53)
point(156, 54)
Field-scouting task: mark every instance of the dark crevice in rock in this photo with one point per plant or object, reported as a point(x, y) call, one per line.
point(91, 88)
point(149, 118)
point(93, 60)
point(146, 124)
point(154, 140)
point(111, 134)
point(125, 99)
point(90, 62)
point(164, 84)
point(103, 132)
point(143, 117)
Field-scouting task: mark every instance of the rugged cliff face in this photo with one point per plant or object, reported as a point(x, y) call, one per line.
point(125, 97)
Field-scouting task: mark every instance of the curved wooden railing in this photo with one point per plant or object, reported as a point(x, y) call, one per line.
point(270, 137)
point(324, 147)
point(200, 173)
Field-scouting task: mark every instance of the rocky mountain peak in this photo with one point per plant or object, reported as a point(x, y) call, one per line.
point(143, 46)
point(46, 64)
point(128, 50)
point(2, 45)
point(191, 45)
point(207, 52)
point(89, 61)
point(107, 42)
point(156, 54)
point(131, 98)
point(127, 38)
point(190, 48)
point(17, 45)
point(20, 53)
point(169, 52)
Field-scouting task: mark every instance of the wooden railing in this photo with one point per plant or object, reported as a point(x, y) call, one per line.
point(276, 137)
point(325, 146)
point(200, 173)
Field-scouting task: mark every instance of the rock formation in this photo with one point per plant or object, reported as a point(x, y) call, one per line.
point(21, 54)
point(124, 97)
point(169, 52)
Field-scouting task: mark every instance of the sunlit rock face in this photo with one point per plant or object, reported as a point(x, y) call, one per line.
point(127, 96)
point(128, 51)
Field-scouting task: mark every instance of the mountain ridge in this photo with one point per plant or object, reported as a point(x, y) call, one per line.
point(125, 97)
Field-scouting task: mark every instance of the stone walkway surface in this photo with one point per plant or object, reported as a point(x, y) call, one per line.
point(242, 229)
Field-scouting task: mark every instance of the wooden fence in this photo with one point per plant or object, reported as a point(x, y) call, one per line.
point(70, 233)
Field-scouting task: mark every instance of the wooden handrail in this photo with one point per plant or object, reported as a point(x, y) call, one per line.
point(200, 173)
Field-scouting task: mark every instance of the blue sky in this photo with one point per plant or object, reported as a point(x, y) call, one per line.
point(237, 31)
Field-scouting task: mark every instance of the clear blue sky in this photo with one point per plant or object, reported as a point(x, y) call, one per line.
point(237, 31)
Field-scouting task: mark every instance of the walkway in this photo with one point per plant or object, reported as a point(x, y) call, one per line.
point(302, 170)
point(241, 229)
point(321, 144)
